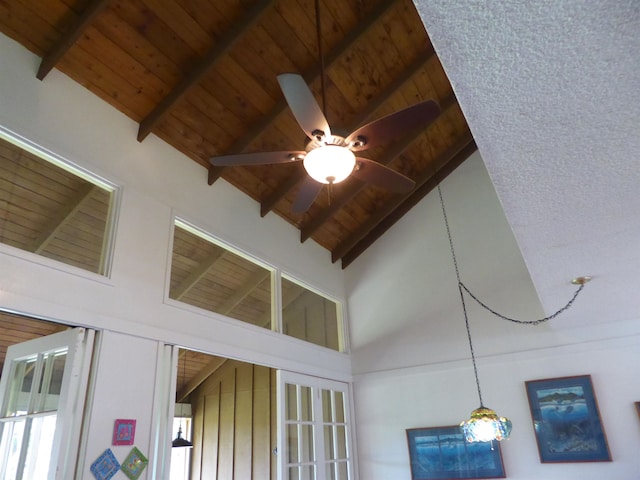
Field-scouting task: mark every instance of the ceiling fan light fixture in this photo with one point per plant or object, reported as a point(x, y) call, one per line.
point(329, 163)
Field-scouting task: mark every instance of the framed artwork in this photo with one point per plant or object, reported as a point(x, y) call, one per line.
point(134, 464)
point(105, 466)
point(443, 453)
point(638, 408)
point(124, 432)
point(566, 420)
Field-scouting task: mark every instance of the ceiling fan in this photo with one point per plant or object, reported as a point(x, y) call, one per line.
point(330, 158)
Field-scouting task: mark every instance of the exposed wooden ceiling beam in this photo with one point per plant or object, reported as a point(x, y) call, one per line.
point(450, 160)
point(195, 276)
point(348, 41)
point(69, 38)
point(296, 178)
point(279, 193)
point(241, 293)
point(356, 186)
point(62, 218)
point(200, 377)
point(287, 299)
point(218, 51)
point(418, 195)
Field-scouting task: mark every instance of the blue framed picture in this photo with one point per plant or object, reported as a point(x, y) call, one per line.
point(443, 453)
point(105, 466)
point(566, 420)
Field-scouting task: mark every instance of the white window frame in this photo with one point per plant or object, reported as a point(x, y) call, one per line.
point(94, 178)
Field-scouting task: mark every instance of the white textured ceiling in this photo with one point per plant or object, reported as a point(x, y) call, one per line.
point(551, 91)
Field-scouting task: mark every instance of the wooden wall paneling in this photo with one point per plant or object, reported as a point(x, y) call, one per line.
point(261, 428)
point(274, 425)
point(227, 423)
point(235, 407)
point(243, 438)
point(197, 432)
point(211, 433)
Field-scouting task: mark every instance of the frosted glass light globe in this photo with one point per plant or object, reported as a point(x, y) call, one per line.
point(329, 163)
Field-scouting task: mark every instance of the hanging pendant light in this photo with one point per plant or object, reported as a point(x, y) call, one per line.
point(485, 425)
point(179, 441)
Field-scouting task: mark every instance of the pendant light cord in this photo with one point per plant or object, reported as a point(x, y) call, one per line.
point(463, 288)
point(483, 305)
point(464, 305)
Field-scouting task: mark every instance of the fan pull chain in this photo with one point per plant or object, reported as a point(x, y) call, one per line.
point(462, 286)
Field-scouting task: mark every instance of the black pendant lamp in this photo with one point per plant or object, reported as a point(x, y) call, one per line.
point(179, 441)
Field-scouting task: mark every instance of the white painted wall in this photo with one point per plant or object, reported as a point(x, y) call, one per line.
point(124, 384)
point(410, 354)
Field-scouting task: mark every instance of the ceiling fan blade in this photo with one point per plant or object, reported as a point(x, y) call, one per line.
point(306, 196)
point(388, 128)
point(259, 158)
point(303, 105)
point(377, 174)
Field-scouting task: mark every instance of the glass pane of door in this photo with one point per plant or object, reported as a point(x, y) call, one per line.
point(313, 420)
point(41, 388)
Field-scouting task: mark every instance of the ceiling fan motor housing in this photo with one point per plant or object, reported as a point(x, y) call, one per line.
point(329, 160)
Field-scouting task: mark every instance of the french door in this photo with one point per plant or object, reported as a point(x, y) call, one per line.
point(42, 393)
point(314, 439)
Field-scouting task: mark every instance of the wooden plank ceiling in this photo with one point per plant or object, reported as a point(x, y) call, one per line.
point(201, 75)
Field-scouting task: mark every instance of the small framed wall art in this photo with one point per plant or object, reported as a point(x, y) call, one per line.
point(566, 420)
point(105, 466)
point(134, 464)
point(124, 432)
point(442, 453)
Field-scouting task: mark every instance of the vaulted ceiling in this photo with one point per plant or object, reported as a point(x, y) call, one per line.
point(202, 76)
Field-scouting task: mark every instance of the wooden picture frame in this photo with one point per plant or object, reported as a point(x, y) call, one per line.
point(566, 420)
point(442, 453)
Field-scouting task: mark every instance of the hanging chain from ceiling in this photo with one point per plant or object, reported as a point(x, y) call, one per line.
point(462, 286)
